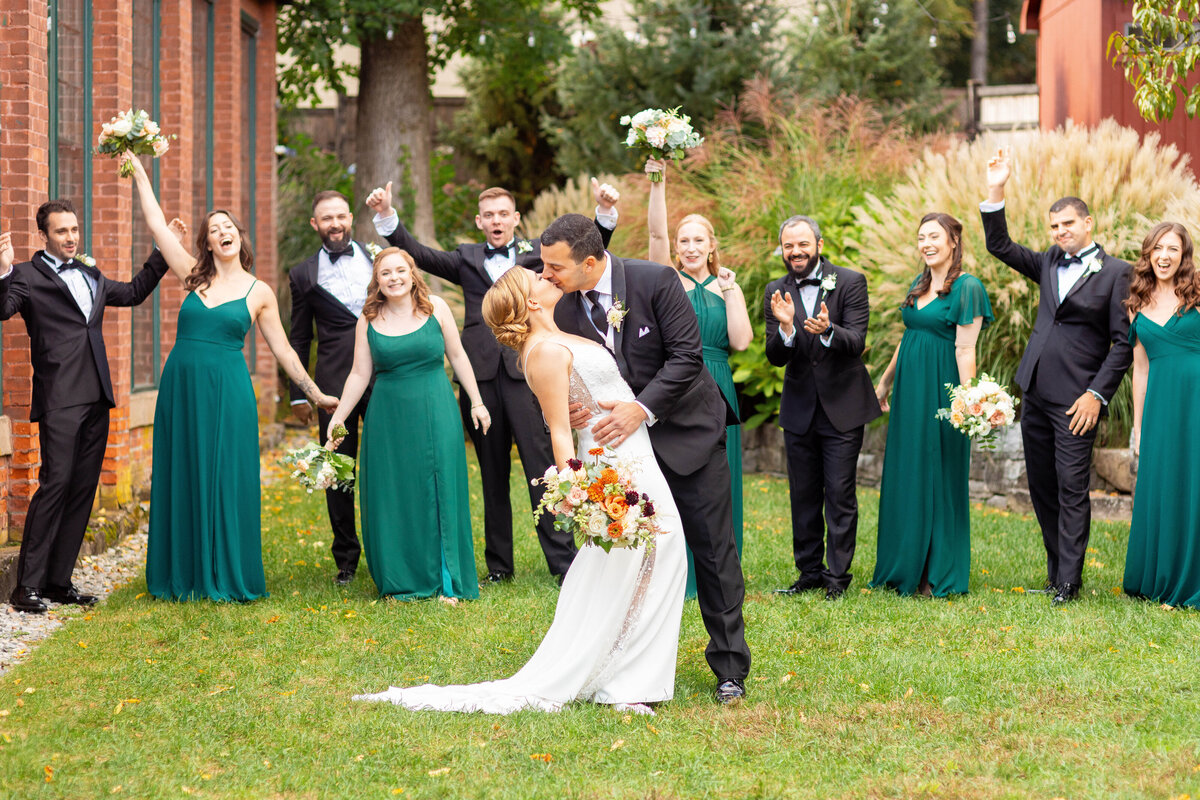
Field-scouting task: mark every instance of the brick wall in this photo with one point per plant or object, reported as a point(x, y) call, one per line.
point(24, 184)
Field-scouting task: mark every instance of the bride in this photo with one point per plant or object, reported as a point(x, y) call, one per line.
point(615, 633)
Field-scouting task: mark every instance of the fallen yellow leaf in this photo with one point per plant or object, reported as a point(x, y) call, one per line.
point(433, 773)
point(618, 744)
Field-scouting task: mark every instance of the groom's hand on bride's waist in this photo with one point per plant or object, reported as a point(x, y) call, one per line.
point(580, 416)
point(622, 420)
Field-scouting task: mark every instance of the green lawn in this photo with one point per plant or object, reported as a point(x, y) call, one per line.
point(990, 695)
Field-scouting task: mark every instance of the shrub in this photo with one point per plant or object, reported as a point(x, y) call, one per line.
point(1129, 184)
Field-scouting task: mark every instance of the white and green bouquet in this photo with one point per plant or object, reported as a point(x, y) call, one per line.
point(131, 132)
point(979, 408)
point(661, 134)
point(318, 468)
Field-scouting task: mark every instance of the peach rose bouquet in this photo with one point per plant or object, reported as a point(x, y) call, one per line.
point(979, 408)
point(597, 503)
point(131, 132)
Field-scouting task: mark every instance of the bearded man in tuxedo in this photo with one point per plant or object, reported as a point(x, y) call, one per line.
point(515, 415)
point(61, 295)
point(817, 318)
point(1076, 356)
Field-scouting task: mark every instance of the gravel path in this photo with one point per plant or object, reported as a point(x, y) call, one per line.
point(98, 575)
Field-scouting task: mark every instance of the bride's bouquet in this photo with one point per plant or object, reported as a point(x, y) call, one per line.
point(317, 467)
point(131, 132)
point(979, 408)
point(597, 502)
point(661, 134)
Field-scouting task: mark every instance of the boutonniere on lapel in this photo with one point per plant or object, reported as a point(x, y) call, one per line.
point(373, 250)
point(524, 246)
point(1091, 264)
point(85, 259)
point(616, 314)
point(829, 282)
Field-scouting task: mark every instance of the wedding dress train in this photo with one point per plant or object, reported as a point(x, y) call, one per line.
point(615, 634)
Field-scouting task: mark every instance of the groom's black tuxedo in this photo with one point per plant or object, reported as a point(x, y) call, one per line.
point(827, 399)
point(335, 326)
point(72, 395)
point(657, 348)
point(1077, 345)
point(515, 415)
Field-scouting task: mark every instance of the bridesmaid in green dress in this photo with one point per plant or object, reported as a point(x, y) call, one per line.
point(205, 528)
point(1163, 561)
point(924, 544)
point(721, 309)
point(412, 484)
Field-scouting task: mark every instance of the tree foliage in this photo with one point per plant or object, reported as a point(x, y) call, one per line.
point(1158, 56)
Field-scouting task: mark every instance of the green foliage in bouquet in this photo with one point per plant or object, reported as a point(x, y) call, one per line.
point(1128, 183)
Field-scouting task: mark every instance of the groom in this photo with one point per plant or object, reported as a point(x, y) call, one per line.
point(638, 310)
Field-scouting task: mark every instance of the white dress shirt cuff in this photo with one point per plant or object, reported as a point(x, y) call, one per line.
point(386, 226)
point(788, 339)
point(827, 338)
point(1098, 396)
point(650, 418)
point(7, 275)
point(607, 220)
point(299, 402)
point(988, 205)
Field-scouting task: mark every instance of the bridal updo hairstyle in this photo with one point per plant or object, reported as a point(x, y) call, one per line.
point(505, 308)
point(714, 255)
point(1142, 280)
point(205, 269)
point(419, 292)
point(953, 229)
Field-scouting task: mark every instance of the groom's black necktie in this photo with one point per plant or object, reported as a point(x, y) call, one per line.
point(599, 318)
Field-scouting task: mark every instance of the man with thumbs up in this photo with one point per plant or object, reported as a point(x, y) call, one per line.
point(816, 319)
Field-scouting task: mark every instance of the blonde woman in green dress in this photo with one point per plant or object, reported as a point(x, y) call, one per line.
point(720, 307)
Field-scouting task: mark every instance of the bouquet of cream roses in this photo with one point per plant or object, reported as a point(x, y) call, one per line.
point(318, 467)
point(131, 132)
point(597, 503)
point(661, 134)
point(979, 408)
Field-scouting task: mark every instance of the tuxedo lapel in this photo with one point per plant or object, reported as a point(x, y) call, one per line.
point(39, 260)
point(618, 293)
point(1053, 275)
point(474, 253)
point(1082, 279)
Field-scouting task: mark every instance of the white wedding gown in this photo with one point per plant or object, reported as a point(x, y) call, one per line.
point(615, 633)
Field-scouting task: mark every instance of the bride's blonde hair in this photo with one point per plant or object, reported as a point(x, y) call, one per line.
point(505, 308)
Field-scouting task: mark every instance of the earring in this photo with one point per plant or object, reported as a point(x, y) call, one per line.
point(710, 258)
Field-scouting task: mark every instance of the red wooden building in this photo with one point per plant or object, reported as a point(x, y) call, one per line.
point(1077, 81)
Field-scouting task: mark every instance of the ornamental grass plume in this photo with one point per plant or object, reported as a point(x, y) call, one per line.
point(1128, 182)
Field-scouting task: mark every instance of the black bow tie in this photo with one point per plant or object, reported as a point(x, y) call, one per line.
point(489, 251)
point(333, 257)
point(73, 264)
point(1068, 259)
point(802, 282)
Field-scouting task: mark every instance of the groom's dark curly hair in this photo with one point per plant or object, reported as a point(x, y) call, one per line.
point(579, 233)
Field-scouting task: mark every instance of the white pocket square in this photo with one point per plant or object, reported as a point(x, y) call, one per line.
point(643, 331)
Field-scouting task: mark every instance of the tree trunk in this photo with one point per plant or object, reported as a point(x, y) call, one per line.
point(979, 45)
point(395, 117)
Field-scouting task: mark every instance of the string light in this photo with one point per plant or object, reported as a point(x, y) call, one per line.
point(755, 28)
point(692, 32)
point(482, 39)
point(531, 41)
point(1010, 34)
point(883, 8)
point(345, 29)
point(391, 34)
point(933, 39)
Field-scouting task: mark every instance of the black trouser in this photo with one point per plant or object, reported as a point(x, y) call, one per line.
point(706, 512)
point(72, 442)
point(1058, 465)
point(345, 548)
point(823, 473)
point(515, 417)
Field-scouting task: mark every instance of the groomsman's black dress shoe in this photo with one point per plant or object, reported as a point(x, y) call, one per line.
point(28, 600)
point(344, 577)
point(730, 690)
point(803, 585)
point(501, 577)
point(1067, 593)
point(69, 596)
point(1048, 588)
point(834, 593)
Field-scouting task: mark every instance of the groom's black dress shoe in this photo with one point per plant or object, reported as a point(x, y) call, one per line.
point(1067, 593)
point(498, 577)
point(69, 596)
point(344, 577)
point(803, 585)
point(28, 600)
point(730, 690)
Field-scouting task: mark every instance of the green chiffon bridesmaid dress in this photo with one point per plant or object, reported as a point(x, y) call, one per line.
point(205, 531)
point(924, 519)
point(1163, 562)
point(714, 336)
point(416, 518)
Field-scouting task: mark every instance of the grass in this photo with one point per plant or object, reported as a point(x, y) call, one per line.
point(990, 695)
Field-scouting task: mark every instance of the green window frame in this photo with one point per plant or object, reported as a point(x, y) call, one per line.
point(148, 314)
point(84, 121)
point(249, 61)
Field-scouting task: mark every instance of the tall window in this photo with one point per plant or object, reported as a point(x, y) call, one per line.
point(147, 15)
point(71, 108)
point(249, 140)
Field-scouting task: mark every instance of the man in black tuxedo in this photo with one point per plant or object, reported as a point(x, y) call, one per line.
point(329, 289)
point(1076, 356)
point(61, 296)
point(657, 348)
point(827, 400)
point(515, 415)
